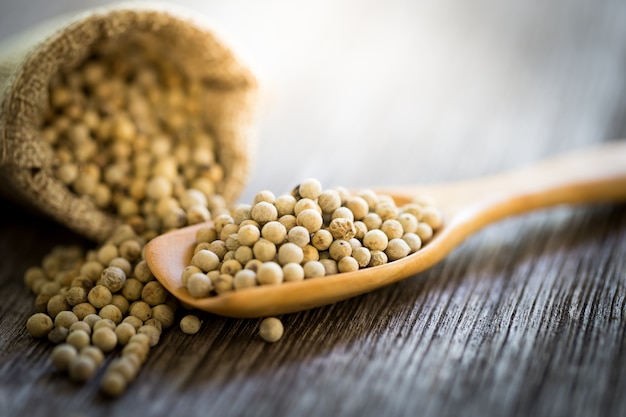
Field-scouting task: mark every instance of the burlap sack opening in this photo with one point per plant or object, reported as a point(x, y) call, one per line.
point(25, 158)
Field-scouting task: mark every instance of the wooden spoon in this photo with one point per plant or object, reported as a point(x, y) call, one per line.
point(593, 175)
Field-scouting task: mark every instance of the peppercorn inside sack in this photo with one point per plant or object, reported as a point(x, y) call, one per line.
point(88, 106)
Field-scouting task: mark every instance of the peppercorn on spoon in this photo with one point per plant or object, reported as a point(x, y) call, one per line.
point(591, 175)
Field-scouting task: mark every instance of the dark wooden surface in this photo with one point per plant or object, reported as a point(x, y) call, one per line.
point(526, 318)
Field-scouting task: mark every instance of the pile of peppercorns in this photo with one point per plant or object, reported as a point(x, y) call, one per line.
point(311, 232)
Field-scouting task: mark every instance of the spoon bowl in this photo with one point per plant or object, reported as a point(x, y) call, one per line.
point(591, 175)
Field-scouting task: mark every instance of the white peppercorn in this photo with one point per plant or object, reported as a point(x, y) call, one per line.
point(107, 252)
point(329, 200)
point(358, 206)
point(424, 231)
point(94, 353)
point(83, 309)
point(288, 220)
point(378, 258)
point(141, 310)
point(310, 188)
point(39, 325)
point(50, 288)
point(375, 240)
point(271, 329)
point(56, 304)
point(113, 384)
point(285, 205)
point(58, 335)
point(299, 235)
point(206, 260)
point(263, 212)
point(248, 234)
point(241, 212)
point(343, 213)
point(91, 319)
point(111, 312)
point(164, 314)
point(104, 338)
point(228, 231)
point(342, 228)
point(386, 210)
point(339, 249)
point(130, 249)
point(75, 295)
point(199, 285)
point(432, 216)
point(330, 266)
point(313, 269)
point(33, 274)
point(41, 303)
point(99, 296)
point(408, 221)
point(293, 272)
point(197, 214)
point(190, 324)
point(269, 273)
point(244, 254)
point(290, 252)
point(92, 270)
point(360, 229)
point(62, 355)
point(347, 264)
point(206, 234)
point(224, 283)
point(229, 256)
point(187, 272)
point(264, 250)
point(80, 325)
point(310, 253)
point(153, 333)
point(81, 368)
point(310, 219)
point(304, 204)
point(104, 323)
point(322, 239)
point(142, 272)
point(125, 366)
point(132, 289)
point(133, 321)
point(362, 255)
point(264, 196)
point(244, 278)
point(392, 228)
point(65, 319)
point(113, 278)
point(230, 267)
point(154, 293)
point(413, 240)
point(78, 339)
point(274, 231)
point(124, 331)
point(121, 302)
point(370, 196)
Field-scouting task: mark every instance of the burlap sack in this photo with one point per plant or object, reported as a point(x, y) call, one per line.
point(29, 62)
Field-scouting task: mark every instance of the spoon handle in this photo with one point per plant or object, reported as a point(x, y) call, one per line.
point(590, 175)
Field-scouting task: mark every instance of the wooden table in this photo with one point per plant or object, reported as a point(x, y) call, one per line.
point(526, 318)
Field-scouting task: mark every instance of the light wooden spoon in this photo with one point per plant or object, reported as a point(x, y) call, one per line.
point(592, 175)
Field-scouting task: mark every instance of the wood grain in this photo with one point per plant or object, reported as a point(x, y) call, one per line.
point(527, 317)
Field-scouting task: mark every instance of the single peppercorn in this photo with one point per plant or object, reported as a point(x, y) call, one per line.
point(271, 329)
point(190, 324)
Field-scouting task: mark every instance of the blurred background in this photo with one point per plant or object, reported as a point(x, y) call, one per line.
point(397, 86)
point(525, 319)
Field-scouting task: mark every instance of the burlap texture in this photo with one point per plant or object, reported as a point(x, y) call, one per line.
point(27, 67)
